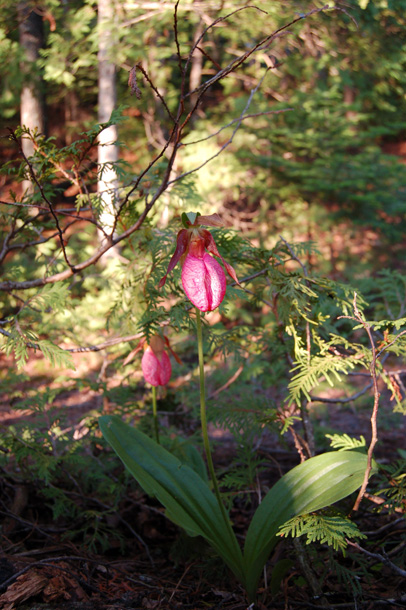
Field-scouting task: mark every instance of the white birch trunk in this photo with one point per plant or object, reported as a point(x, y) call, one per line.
point(107, 150)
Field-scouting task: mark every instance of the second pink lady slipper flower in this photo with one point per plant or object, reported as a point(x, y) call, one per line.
point(155, 363)
point(203, 278)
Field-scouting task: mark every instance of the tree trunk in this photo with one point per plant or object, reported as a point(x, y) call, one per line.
point(195, 77)
point(349, 99)
point(32, 113)
point(107, 151)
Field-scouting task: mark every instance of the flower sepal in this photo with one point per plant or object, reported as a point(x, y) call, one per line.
point(182, 243)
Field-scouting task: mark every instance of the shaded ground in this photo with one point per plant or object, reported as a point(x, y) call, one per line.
point(155, 567)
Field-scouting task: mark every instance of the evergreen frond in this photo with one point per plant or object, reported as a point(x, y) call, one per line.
point(332, 530)
point(343, 442)
point(51, 296)
point(55, 354)
point(395, 492)
point(320, 367)
point(16, 343)
point(399, 324)
point(349, 577)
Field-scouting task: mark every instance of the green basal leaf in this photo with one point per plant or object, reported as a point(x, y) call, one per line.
point(188, 500)
point(315, 484)
point(190, 456)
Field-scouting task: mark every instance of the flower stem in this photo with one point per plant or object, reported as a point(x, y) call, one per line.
point(155, 414)
point(203, 417)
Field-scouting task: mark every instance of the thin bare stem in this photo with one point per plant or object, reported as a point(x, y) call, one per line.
point(343, 400)
point(231, 138)
point(43, 195)
point(155, 414)
point(155, 89)
point(385, 347)
point(236, 120)
point(379, 558)
point(374, 439)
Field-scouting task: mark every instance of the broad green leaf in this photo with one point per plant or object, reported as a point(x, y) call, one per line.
point(190, 456)
point(278, 574)
point(188, 500)
point(315, 484)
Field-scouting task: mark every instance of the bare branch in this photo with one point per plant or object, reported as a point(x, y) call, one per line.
point(237, 120)
point(5, 247)
point(391, 343)
point(228, 383)
point(209, 27)
point(155, 89)
point(105, 345)
point(294, 257)
point(81, 349)
point(380, 558)
point(342, 400)
point(29, 244)
point(43, 195)
point(374, 439)
point(182, 70)
point(242, 58)
point(229, 141)
point(43, 210)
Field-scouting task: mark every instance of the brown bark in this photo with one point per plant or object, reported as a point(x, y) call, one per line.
point(195, 77)
point(32, 111)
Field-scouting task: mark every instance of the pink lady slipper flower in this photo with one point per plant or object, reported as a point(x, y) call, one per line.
point(155, 363)
point(203, 278)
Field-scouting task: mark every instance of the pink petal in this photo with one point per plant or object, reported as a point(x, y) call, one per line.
point(203, 281)
point(211, 247)
point(156, 370)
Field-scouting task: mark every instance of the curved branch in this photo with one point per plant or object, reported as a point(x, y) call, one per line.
point(43, 195)
point(342, 401)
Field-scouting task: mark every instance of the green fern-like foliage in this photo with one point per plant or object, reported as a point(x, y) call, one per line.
point(399, 324)
point(394, 486)
point(35, 317)
point(344, 442)
point(51, 296)
point(386, 294)
point(309, 374)
point(16, 344)
point(350, 577)
point(19, 343)
point(56, 355)
point(44, 452)
point(332, 530)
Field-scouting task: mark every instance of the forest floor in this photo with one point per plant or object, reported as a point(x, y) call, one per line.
point(159, 569)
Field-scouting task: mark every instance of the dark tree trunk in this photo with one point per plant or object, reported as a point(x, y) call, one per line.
point(32, 107)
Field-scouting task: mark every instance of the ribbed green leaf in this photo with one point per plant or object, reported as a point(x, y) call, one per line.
point(315, 484)
point(187, 498)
